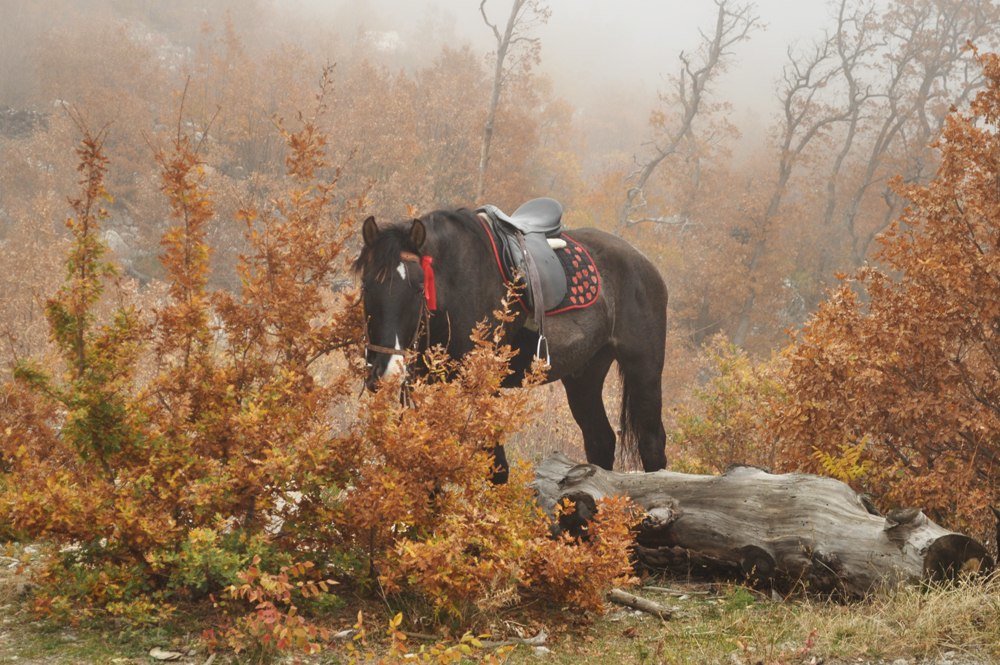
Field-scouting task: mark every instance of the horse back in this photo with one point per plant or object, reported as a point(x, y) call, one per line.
point(628, 277)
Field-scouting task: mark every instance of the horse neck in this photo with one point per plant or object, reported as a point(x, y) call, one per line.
point(469, 285)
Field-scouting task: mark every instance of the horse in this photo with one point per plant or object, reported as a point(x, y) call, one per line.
point(447, 256)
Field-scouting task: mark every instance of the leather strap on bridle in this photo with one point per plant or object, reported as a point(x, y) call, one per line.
point(384, 349)
point(427, 265)
point(423, 328)
point(427, 305)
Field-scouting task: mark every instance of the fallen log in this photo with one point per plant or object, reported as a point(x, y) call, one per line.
point(780, 531)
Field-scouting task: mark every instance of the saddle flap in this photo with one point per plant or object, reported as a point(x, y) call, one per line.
point(550, 270)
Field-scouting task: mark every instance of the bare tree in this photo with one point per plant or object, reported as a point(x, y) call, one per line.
point(854, 42)
point(878, 87)
point(516, 44)
point(733, 24)
point(805, 116)
point(925, 59)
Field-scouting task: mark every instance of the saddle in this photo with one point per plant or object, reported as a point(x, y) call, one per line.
point(525, 243)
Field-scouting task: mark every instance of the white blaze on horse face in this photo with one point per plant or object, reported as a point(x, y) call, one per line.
point(396, 364)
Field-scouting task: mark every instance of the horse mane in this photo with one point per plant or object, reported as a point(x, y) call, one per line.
point(383, 253)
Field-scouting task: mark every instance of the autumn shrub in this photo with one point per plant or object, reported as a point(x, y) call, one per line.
point(275, 625)
point(578, 571)
point(160, 453)
point(905, 359)
point(495, 551)
point(197, 451)
point(727, 421)
point(459, 546)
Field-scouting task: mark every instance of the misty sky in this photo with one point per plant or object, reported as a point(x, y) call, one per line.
point(591, 47)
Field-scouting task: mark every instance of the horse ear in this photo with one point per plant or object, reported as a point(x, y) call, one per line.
point(418, 233)
point(369, 230)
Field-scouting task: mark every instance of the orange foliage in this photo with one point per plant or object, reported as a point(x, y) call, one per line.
point(185, 444)
point(907, 359)
point(728, 421)
point(559, 572)
point(275, 625)
point(127, 466)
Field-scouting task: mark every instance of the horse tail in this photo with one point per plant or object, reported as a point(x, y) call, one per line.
point(628, 426)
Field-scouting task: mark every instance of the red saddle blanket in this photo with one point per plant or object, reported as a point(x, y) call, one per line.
point(583, 279)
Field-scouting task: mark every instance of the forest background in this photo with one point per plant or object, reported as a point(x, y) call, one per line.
point(809, 329)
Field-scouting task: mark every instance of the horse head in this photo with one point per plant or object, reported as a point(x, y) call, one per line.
point(393, 275)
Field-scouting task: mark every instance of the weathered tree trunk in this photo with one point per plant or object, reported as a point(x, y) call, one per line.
point(776, 530)
point(523, 14)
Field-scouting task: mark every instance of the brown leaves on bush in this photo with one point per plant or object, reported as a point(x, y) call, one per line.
point(201, 417)
point(907, 358)
point(197, 447)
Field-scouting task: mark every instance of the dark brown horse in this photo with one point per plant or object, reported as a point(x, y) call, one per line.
point(627, 322)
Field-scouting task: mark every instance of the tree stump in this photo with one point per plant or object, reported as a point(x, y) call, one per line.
point(773, 530)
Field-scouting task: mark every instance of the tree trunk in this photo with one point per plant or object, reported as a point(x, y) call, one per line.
point(774, 530)
point(503, 44)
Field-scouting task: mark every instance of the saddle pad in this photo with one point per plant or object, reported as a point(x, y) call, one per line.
point(583, 280)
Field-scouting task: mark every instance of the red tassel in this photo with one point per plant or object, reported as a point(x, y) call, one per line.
point(430, 290)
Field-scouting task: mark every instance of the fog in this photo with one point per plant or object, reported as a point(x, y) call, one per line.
point(752, 193)
point(593, 49)
point(596, 54)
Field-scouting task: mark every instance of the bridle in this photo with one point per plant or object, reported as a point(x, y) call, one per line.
point(428, 304)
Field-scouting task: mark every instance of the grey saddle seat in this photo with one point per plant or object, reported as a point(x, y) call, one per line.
point(534, 222)
point(535, 216)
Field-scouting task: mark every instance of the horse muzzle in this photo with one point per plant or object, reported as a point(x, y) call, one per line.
point(372, 380)
point(385, 366)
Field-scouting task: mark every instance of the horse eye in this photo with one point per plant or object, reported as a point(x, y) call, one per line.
point(415, 279)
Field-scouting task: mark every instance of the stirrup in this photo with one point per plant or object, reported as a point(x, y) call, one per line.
point(538, 350)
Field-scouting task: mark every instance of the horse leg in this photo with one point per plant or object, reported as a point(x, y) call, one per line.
point(642, 402)
point(583, 392)
point(501, 469)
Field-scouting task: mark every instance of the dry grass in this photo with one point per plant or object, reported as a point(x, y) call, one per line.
point(552, 429)
point(738, 627)
point(918, 622)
